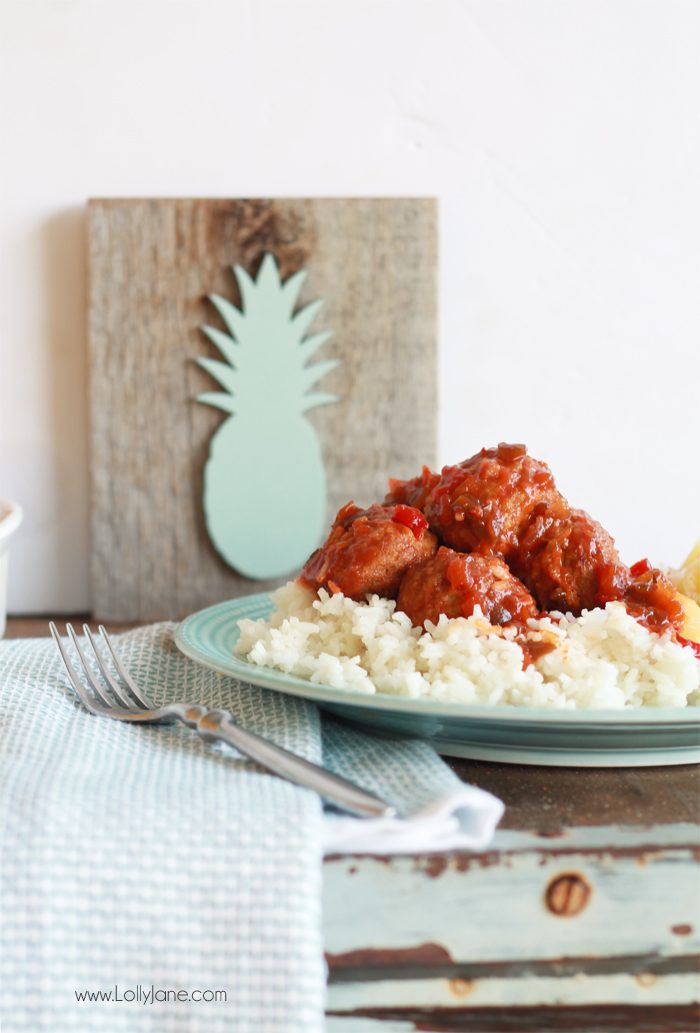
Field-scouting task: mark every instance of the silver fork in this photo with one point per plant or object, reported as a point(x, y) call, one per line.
point(119, 698)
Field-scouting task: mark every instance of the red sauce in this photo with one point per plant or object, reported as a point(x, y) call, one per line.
point(509, 453)
point(413, 492)
point(653, 601)
point(368, 551)
point(484, 503)
point(640, 567)
point(695, 646)
point(347, 514)
point(454, 583)
point(532, 651)
point(567, 560)
point(612, 582)
point(412, 518)
point(510, 533)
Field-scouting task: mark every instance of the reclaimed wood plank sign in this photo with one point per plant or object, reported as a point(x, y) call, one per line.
point(254, 364)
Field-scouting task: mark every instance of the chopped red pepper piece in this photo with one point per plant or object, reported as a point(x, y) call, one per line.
point(640, 567)
point(410, 517)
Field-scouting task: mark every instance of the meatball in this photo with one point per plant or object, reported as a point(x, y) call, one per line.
point(568, 560)
point(483, 503)
point(369, 550)
point(413, 492)
point(454, 583)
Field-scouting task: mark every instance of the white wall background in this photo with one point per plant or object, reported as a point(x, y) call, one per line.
point(562, 137)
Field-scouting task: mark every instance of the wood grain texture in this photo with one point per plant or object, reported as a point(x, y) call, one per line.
point(152, 263)
point(472, 941)
point(547, 800)
point(38, 627)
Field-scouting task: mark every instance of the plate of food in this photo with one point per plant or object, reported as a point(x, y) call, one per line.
point(476, 608)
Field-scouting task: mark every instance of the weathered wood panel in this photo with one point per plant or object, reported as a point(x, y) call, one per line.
point(601, 1018)
point(595, 929)
point(152, 263)
point(494, 905)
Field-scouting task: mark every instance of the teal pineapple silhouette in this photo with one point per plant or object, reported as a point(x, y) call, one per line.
point(264, 480)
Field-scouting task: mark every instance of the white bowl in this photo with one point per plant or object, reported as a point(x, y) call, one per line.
point(10, 519)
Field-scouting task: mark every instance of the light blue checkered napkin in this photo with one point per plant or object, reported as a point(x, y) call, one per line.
point(136, 858)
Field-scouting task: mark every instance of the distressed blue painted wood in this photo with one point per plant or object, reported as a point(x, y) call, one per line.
point(576, 927)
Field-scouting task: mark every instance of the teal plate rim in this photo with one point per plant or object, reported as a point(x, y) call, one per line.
point(187, 637)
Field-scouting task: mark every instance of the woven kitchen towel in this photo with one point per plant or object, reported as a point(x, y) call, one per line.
point(141, 862)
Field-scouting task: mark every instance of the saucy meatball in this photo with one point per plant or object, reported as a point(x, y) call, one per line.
point(369, 550)
point(568, 560)
point(483, 503)
point(454, 583)
point(413, 492)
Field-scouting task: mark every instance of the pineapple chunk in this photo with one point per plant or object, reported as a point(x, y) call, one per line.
point(691, 618)
point(687, 578)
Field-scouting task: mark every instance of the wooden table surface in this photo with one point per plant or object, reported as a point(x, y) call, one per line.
point(582, 916)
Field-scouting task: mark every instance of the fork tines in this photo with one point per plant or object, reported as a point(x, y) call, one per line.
point(114, 692)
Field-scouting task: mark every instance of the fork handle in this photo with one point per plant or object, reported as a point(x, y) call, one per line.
point(217, 724)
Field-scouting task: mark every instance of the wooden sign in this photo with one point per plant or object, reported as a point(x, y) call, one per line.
point(254, 365)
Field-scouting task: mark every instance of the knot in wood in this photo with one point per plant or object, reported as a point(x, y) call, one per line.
point(567, 894)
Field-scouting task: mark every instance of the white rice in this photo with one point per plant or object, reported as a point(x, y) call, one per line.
point(603, 658)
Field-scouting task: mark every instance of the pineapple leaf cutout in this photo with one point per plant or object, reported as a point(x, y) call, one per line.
point(264, 480)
